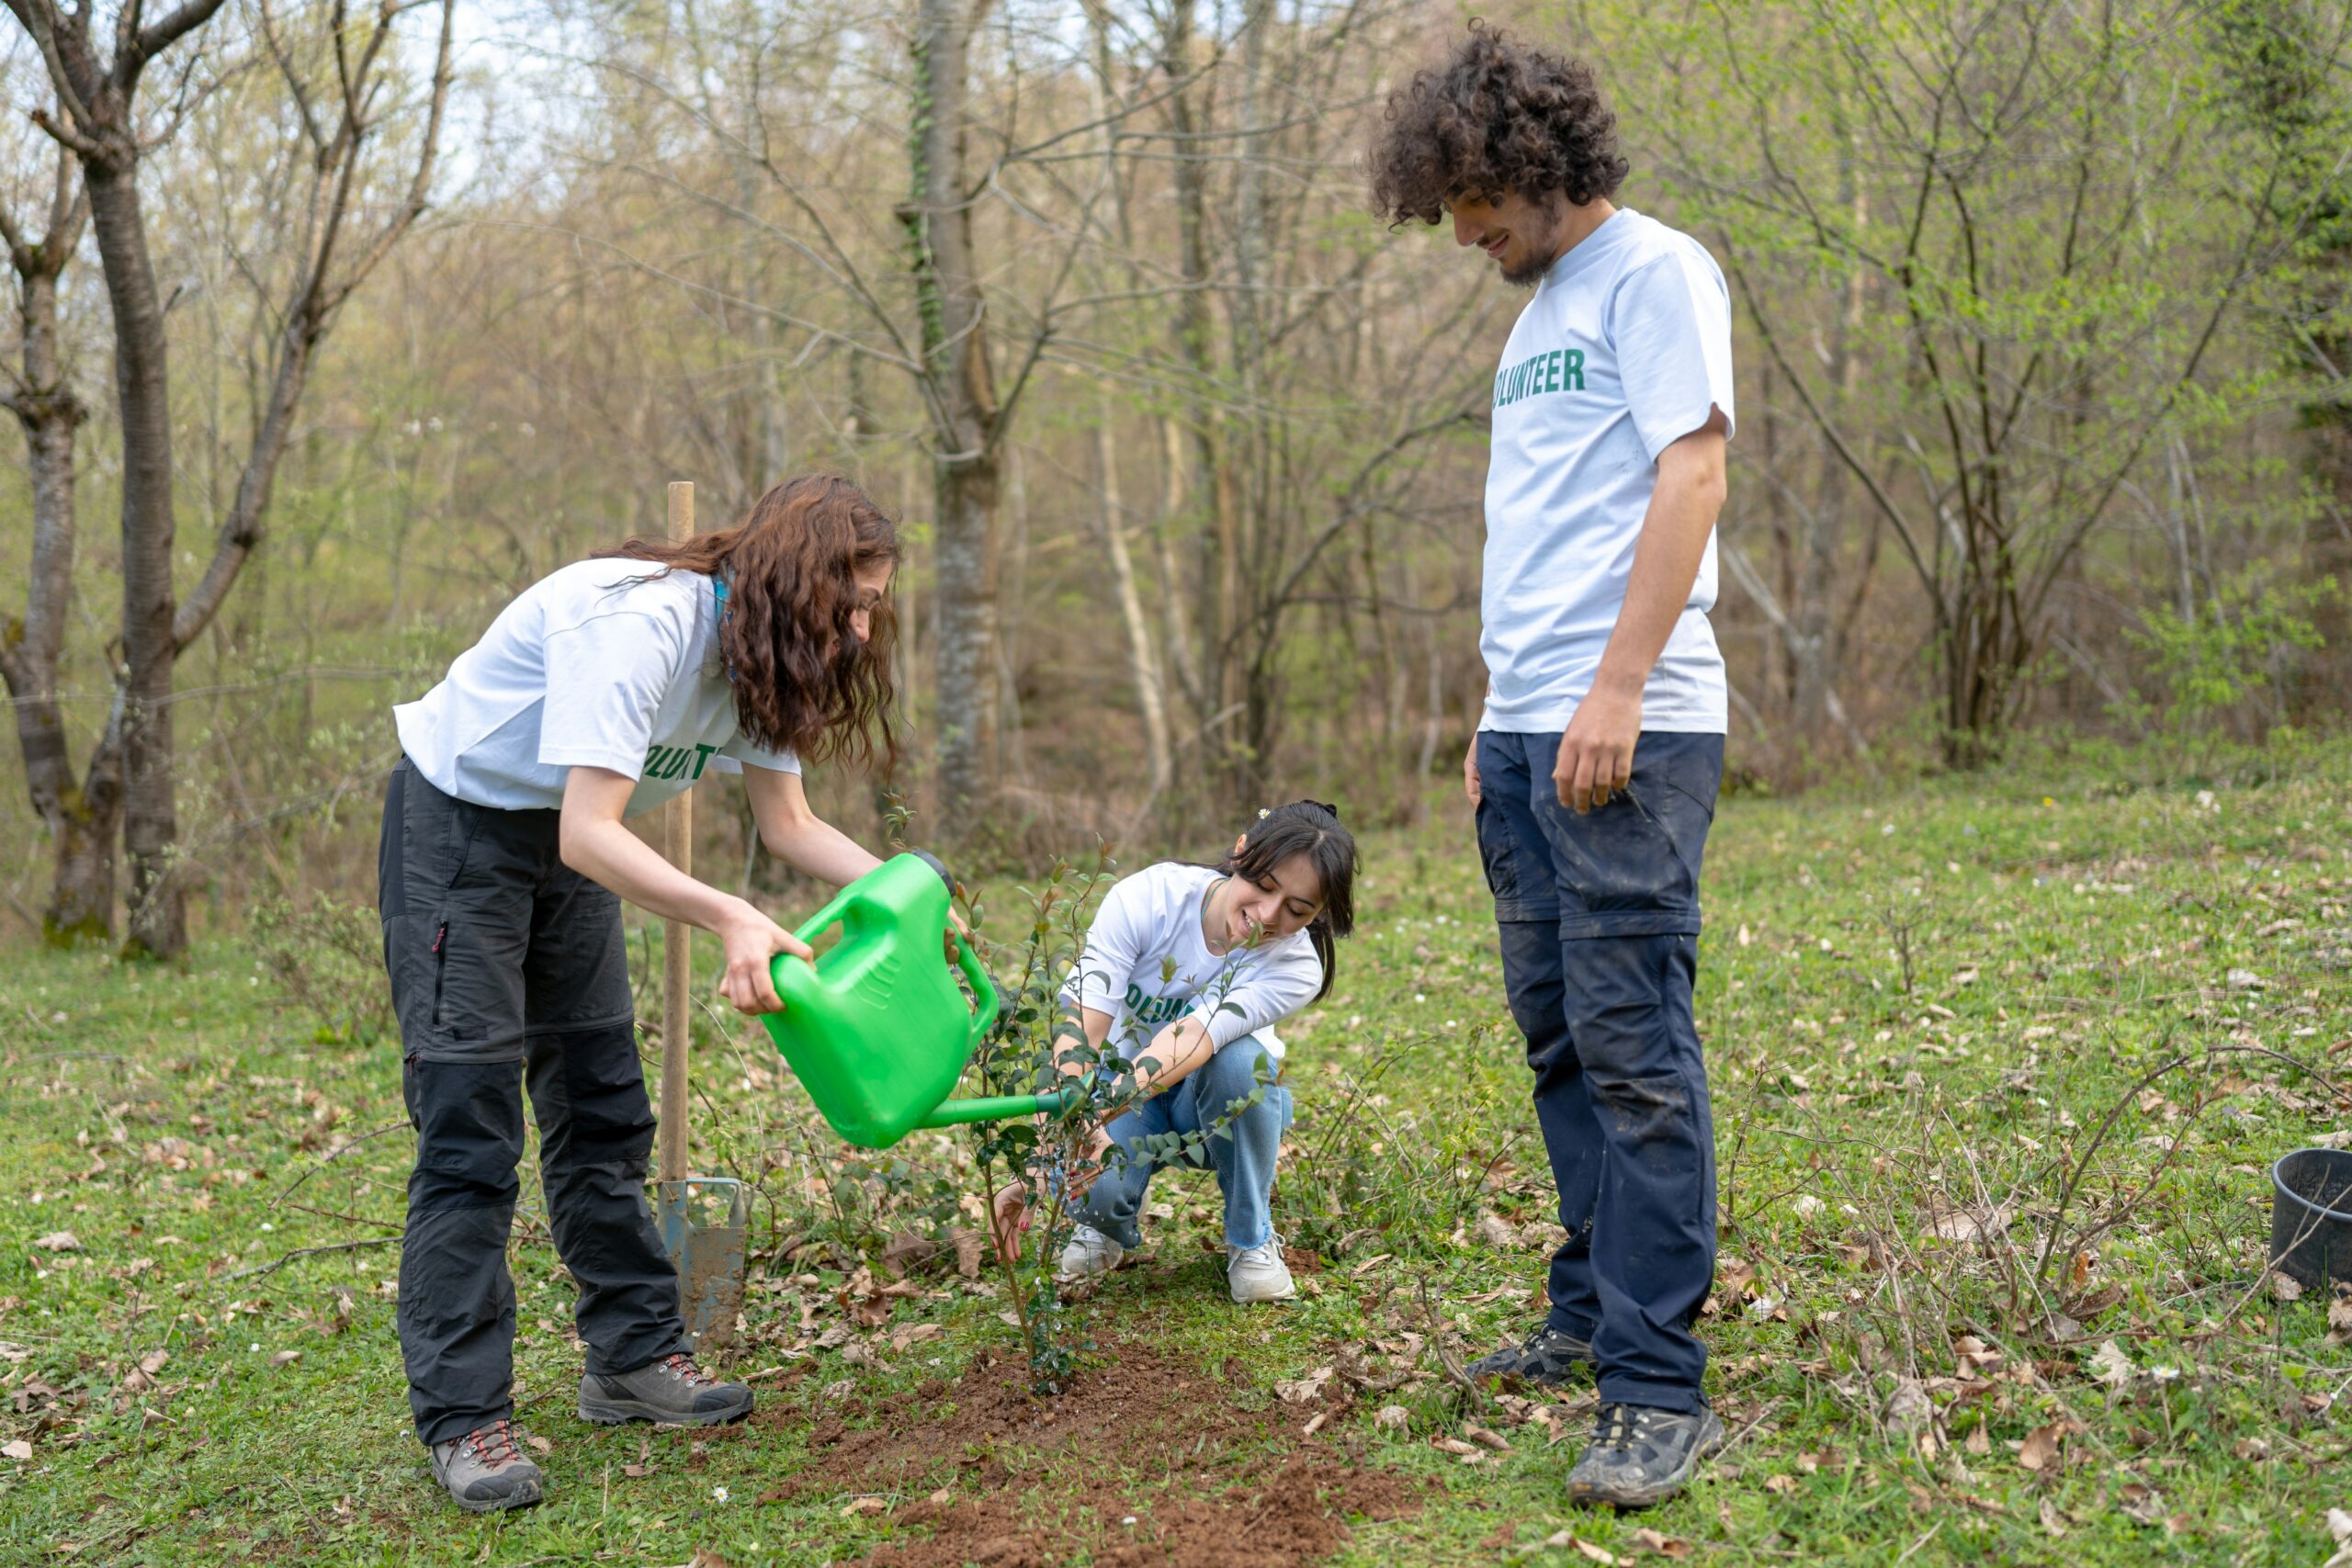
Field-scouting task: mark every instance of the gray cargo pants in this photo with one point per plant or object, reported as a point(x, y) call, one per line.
point(509, 969)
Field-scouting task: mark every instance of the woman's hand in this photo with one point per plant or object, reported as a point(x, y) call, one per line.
point(753, 942)
point(1090, 1163)
point(1008, 1218)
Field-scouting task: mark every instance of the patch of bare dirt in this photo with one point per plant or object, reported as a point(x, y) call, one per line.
point(1146, 1461)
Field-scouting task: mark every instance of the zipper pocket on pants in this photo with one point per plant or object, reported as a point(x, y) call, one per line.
point(440, 965)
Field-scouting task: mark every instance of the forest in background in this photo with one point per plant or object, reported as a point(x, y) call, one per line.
point(2041, 329)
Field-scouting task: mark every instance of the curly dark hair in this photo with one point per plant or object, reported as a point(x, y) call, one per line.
point(1496, 118)
point(803, 680)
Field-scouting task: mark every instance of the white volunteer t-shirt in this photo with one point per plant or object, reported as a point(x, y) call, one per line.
point(595, 665)
point(1623, 350)
point(1146, 965)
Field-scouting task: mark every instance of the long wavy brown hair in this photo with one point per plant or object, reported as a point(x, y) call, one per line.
point(804, 682)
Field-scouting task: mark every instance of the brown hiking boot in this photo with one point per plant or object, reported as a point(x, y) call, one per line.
point(485, 1470)
point(670, 1389)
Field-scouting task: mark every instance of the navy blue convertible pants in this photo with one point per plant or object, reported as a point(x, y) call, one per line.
point(1599, 921)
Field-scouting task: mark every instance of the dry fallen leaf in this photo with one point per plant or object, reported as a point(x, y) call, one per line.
point(1908, 1404)
point(637, 1471)
point(2111, 1365)
point(17, 1450)
point(60, 1241)
point(1451, 1445)
point(1485, 1438)
point(1966, 1225)
point(2282, 1288)
point(1306, 1390)
point(913, 1334)
point(2040, 1451)
point(284, 1357)
point(1392, 1418)
point(1571, 1539)
point(1649, 1539)
point(1316, 1425)
point(864, 1507)
point(2052, 1520)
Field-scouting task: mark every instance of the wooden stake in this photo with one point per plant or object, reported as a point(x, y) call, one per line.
point(678, 937)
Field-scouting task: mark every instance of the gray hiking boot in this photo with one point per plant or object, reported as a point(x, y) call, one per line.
point(1640, 1455)
point(672, 1389)
point(1547, 1359)
point(485, 1470)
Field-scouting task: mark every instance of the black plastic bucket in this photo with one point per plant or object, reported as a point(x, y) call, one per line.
point(2310, 1216)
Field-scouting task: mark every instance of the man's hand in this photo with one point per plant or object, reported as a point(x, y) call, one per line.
point(1596, 757)
point(752, 940)
point(955, 929)
point(1470, 771)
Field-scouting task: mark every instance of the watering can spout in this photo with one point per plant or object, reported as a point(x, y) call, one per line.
point(877, 1030)
point(997, 1108)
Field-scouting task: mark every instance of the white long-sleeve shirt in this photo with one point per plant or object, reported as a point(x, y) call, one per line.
point(1147, 963)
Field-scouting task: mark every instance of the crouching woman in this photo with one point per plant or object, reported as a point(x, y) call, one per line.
point(1186, 973)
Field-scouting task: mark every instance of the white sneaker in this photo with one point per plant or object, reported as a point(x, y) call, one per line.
point(1259, 1273)
point(1089, 1256)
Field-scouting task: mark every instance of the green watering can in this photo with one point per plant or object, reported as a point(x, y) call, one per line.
point(877, 1030)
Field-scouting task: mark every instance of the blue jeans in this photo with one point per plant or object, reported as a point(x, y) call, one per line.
point(1242, 1152)
point(1600, 923)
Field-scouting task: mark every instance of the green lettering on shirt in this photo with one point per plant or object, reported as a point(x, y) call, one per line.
point(1553, 370)
point(673, 761)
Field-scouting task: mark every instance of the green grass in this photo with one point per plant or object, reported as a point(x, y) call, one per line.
point(1940, 1000)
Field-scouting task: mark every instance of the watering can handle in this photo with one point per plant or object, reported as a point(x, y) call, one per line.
point(983, 992)
point(983, 987)
point(814, 926)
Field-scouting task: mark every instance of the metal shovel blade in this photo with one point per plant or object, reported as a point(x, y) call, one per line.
point(701, 1224)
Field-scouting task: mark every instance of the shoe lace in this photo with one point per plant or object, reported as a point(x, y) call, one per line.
point(1616, 1425)
point(680, 1366)
point(494, 1444)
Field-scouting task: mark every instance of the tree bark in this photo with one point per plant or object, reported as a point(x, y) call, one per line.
point(158, 925)
point(963, 417)
point(1143, 663)
point(81, 817)
point(1216, 591)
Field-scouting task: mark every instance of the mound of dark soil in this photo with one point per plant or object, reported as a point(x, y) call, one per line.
point(1144, 1462)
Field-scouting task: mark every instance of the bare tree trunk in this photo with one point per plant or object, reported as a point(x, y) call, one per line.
point(1217, 591)
point(1143, 663)
point(1176, 464)
point(99, 123)
point(82, 820)
point(963, 417)
point(1242, 526)
point(142, 390)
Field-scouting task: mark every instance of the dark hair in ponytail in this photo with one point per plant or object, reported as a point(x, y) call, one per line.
point(1306, 828)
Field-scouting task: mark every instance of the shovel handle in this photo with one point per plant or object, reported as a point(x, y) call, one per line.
point(997, 1108)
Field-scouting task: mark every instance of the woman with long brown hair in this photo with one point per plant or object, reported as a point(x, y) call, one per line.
point(603, 689)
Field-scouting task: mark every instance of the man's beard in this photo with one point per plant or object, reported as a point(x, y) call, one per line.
point(1542, 251)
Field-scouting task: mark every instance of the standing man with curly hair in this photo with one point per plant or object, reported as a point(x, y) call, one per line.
point(1597, 760)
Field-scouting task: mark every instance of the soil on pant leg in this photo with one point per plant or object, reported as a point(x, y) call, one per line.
point(995, 1475)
